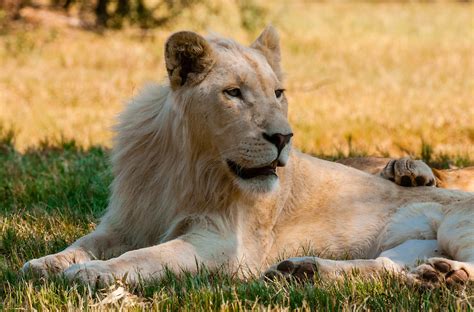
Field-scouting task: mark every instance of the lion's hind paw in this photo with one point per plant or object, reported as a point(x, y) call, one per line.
point(438, 271)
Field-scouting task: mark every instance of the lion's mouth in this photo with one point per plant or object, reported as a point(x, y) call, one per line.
point(249, 173)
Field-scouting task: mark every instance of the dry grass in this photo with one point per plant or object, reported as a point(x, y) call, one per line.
point(386, 75)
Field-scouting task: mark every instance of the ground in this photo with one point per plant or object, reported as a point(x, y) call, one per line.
point(383, 79)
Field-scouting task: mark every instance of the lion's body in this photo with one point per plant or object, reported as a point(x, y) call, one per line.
point(377, 210)
point(175, 202)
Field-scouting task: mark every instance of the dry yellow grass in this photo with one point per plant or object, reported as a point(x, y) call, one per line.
point(385, 74)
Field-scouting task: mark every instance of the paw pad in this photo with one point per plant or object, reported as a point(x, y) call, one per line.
point(438, 271)
point(457, 277)
point(442, 266)
point(299, 270)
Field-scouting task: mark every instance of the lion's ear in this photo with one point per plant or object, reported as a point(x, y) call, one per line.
point(268, 43)
point(188, 58)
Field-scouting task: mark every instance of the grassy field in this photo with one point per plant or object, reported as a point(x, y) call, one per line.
point(51, 195)
point(361, 79)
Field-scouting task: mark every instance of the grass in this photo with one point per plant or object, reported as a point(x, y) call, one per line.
point(362, 79)
point(53, 194)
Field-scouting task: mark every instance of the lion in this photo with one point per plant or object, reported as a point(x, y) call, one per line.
point(204, 174)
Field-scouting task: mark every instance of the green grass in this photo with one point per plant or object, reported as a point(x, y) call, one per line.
point(51, 195)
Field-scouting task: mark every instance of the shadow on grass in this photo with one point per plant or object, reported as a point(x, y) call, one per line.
point(54, 177)
point(49, 196)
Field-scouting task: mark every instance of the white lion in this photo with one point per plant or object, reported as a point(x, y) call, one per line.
point(204, 174)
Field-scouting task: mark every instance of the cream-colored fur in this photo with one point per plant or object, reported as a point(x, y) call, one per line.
point(181, 195)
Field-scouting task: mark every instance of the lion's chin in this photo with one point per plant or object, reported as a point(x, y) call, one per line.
point(259, 184)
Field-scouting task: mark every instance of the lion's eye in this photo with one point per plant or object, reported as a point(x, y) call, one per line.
point(234, 92)
point(279, 93)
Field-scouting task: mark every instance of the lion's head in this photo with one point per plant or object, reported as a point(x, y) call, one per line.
point(235, 103)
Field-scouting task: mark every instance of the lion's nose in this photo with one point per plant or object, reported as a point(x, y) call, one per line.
point(280, 140)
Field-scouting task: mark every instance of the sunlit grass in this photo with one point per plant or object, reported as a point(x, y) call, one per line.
point(387, 75)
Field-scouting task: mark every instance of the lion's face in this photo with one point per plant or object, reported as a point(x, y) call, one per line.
point(240, 107)
point(247, 116)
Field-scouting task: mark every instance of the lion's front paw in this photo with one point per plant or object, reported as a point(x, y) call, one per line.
point(300, 268)
point(48, 265)
point(56, 263)
point(95, 273)
point(437, 271)
point(409, 172)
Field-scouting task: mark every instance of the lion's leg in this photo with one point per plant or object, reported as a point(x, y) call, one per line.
point(456, 239)
point(432, 271)
point(404, 171)
point(372, 165)
point(307, 267)
point(186, 253)
point(99, 244)
point(395, 260)
point(408, 172)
